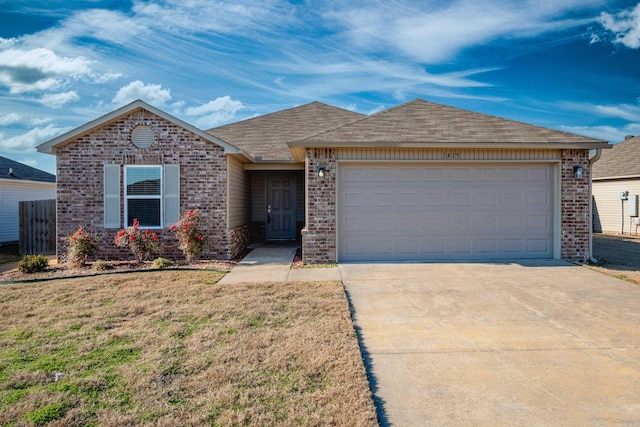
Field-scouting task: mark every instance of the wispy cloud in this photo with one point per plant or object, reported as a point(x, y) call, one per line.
point(437, 31)
point(10, 119)
point(58, 100)
point(624, 26)
point(29, 140)
point(606, 133)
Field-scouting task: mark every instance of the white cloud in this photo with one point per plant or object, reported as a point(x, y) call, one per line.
point(151, 93)
point(30, 161)
point(214, 113)
point(606, 133)
point(105, 25)
point(58, 100)
point(41, 121)
point(433, 32)
point(212, 15)
point(38, 69)
point(623, 111)
point(28, 141)
point(10, 119)
point(625, 26)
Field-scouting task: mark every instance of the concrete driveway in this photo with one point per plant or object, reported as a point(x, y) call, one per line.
point(534, 343)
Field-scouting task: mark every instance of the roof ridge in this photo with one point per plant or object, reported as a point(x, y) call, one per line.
point(297, 107)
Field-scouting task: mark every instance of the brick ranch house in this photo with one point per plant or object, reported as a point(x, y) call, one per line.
point(420, 181)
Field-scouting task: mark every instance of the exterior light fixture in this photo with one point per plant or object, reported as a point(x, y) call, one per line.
point(321, 172)
point(578, 172)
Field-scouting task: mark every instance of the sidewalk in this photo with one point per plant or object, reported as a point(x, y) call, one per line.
point(273, 264)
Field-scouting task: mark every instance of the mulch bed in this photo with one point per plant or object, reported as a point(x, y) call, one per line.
point(55, 271)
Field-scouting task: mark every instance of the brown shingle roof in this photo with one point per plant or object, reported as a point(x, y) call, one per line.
point(623, 159)
point(267, 135)
point(423, 122)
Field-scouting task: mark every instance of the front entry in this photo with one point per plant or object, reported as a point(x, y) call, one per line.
point(281, 208)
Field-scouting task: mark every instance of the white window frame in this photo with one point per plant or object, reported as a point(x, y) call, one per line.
point(159, 197)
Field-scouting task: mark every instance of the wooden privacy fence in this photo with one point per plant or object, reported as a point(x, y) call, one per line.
point(38, 227)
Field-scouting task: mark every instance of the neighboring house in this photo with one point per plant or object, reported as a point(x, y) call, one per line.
point(18, 183)
point(420, 181)
point(617, 171)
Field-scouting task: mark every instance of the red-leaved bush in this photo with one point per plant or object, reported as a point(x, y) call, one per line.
point(189, 234)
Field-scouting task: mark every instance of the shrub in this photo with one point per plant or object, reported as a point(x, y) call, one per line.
point(33, 264)
point(102, 265)
point(82, 244)
point(142, 244)
point(161, 263)
point(189, 234)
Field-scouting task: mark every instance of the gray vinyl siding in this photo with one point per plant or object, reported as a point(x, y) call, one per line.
point(238, 194)
point(11, 194)
point(607, 208)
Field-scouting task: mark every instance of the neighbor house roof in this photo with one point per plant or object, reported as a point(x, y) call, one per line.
point(10, 169)
point(49, 147)
point(621, 161)
point(421, 123)
point(265, 137)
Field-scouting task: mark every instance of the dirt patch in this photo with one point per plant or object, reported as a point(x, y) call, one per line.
point(618, 256)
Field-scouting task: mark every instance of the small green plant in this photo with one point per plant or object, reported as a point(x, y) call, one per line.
point(161, 263)
point(47, 414)
point(189, 234)
point(32, 264)
point(142, 244)
point(82, 244)
point(102, 265)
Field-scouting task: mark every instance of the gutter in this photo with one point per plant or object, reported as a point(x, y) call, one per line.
point(591, 162)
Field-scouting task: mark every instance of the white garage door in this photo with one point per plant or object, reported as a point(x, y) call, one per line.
point(425, 212)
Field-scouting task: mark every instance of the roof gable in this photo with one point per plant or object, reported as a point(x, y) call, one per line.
point(49, 147)
point(266, 137)
point(10, 169)
point(422, 123)
point(622, 160)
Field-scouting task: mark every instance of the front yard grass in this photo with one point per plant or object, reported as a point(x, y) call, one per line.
point(174, 348)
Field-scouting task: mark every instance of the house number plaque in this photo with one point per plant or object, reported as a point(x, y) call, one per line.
point(450, 155)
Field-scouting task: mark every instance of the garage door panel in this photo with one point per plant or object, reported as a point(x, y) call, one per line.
point(421, 212)
point(512, 174)
point(487, 246)
point(460, 199)
point(461, 246)
point(538, 245)
point(432, 199)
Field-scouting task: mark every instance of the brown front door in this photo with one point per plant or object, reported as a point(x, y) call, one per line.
point(281, 208)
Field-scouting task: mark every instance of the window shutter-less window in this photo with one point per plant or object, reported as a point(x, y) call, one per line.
point(171, 194)
point(111, 196)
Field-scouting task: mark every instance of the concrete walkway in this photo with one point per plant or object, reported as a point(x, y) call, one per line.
point(505, 344)
point(273, 264)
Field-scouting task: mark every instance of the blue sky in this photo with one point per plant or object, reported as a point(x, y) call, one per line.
point(572, 65)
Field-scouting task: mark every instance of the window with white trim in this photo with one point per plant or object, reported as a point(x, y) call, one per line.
point(143, 195)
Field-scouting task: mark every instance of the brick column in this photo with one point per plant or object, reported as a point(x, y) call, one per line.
point(319, 234)
point(575, 207)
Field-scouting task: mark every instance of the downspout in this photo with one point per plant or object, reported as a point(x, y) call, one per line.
point(591, 162)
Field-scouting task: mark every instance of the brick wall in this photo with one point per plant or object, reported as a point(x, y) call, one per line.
point(319, 236)
point(238, 240)
point(203, 182)
point(575, 207)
